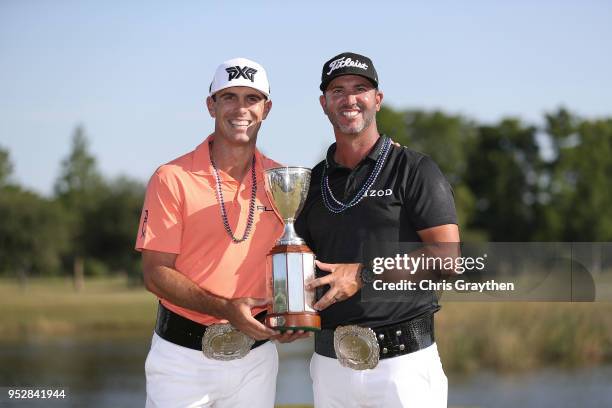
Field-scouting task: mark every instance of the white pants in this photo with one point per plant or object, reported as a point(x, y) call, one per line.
point(182, 377)
point(411, 380)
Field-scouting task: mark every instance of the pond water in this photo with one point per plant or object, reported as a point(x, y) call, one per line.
point(103, 372)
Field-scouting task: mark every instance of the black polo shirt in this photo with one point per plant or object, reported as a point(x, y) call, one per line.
point(409, 194)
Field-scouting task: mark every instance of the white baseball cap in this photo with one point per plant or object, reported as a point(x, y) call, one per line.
point(240, 72)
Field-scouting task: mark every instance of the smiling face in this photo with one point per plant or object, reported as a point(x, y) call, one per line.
point(238, 113)
point(351, 102)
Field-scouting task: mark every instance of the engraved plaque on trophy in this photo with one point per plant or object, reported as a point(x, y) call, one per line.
point(290, 264)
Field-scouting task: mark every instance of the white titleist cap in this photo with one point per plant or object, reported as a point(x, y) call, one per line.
point(240, 72)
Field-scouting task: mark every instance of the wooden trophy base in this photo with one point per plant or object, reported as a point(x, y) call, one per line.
point(279, 249)
point(294, 321)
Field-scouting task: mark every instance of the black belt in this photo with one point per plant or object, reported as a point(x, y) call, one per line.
point(393, 340)
point(184, 332)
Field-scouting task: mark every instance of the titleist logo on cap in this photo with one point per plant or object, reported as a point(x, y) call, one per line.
point(345, 62)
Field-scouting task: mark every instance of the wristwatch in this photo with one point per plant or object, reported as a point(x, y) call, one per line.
point(367, 275)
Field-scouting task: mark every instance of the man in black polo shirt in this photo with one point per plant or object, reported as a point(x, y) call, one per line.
point(369, 190)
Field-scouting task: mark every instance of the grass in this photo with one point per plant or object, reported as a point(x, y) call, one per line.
point(52, 307)
point(505, 337)
point(511, 337)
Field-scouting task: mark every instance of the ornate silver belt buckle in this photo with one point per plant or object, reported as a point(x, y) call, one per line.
point(356, 347)
point(223, 342)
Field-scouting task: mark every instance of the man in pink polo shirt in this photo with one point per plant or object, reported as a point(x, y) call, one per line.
point(205, 229)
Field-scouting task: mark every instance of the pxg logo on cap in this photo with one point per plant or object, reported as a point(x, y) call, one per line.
point(348, 63)
point(244, 72)
point(240, 72)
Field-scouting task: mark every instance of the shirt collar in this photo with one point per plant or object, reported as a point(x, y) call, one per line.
point(201, 159)
point(372, 155)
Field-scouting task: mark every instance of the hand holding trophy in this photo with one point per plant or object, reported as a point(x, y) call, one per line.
point(290, 264)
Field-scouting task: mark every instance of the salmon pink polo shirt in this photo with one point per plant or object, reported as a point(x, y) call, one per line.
point(181, 215)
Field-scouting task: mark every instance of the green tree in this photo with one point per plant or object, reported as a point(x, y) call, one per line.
point(79, 188)
point(560, 131)
point(115, 222)
point(448, 139)
point(580, 204)
point(503, 175)
point(79, 178)
point(6, 167)
point(33, 233)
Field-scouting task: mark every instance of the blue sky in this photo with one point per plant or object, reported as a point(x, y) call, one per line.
point(136, 75)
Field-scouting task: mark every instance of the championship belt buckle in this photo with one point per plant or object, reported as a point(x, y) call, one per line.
point(223, 342)
point(356, 347)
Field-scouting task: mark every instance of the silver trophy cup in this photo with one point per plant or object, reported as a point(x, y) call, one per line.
point(290, 264)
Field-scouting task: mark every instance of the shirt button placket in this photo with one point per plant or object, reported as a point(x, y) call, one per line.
point(349, 187)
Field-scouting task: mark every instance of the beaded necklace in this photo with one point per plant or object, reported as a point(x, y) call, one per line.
point(336, 206)
point(219, 195)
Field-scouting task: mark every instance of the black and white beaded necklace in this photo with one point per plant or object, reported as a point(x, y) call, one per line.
point(336, 206)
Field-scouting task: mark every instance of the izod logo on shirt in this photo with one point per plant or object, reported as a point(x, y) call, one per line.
point(379, 193)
